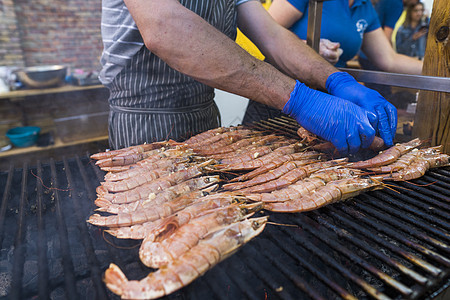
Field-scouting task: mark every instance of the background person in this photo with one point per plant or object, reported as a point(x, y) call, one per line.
point(388, 12)
point(412, 35)
point(352, 23)
point(401, 19)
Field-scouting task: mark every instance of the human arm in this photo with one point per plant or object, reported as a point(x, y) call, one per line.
point(389, 12)
point(420, 33)
point(212, 58)
point(388, 33)
point(189, 44)
point(341, 86)
point(381, 54)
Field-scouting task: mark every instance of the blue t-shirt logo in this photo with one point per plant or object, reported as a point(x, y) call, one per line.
point(361, 26)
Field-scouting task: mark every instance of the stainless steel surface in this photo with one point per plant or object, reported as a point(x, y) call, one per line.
point(428, 83)
point(314, 23)
point(42, 76)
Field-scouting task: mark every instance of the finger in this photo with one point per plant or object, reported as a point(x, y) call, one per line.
point(332, 54)
point(353, 141)
point(384, 127)
point(340, 142)
point(392, 115)
point(373, 119)
point(366, 134)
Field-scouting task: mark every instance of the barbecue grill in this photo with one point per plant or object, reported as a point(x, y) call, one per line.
point(387, 244)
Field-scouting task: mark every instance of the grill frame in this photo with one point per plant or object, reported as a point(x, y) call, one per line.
point(43, 229)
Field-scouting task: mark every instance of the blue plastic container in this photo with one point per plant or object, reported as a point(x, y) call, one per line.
point(23, 136)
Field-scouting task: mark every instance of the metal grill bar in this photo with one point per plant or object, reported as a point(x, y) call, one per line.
point(100, 291)
point(265, 275)
point(325, 237)
point(398, 225)
point(42, 245)
point(360, 243)
point(5, 198)
point(383, 244)
point(401, 215)
point(410, 257)
point(271, 253)
point(69, 278)
point(416, 206)
point(378, 227)
point(19, 247)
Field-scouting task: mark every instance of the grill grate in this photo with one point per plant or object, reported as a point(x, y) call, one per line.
point(392, 243)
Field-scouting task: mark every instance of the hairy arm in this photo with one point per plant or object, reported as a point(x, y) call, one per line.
point(379, 51)
point(190, 45)
point(281, 47)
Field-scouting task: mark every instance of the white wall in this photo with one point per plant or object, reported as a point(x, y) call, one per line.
point(428, 6)
point(232, 108)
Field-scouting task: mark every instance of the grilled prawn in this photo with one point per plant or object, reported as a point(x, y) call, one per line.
point(205, 183)
point(306, 186)
point(387, 156)
point(157, 252)
point(332, 192)
point(194, 263)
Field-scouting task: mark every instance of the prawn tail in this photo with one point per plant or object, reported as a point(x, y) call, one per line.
point(115, 279)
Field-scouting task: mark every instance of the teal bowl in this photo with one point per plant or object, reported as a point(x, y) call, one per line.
point(23, 136)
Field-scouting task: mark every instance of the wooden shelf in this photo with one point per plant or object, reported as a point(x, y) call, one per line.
point(58, 144)
point(21, 94)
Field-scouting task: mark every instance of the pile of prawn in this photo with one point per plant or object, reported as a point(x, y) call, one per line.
point(194, 203)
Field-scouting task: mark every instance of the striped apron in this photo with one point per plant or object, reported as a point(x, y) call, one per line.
point(150, 101)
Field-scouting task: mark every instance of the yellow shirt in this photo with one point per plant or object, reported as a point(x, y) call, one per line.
point(245, 43)
point(399, 23)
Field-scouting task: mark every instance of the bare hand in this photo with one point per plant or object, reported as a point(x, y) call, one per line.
point(420, 33)
point(329, 50)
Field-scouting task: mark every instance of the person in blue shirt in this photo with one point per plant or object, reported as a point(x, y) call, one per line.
point(412, 35)
point(388, 12)
point(354, 25)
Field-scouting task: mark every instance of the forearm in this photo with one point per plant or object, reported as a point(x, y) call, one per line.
point(381, 54)
point(298, 60)
point(282, 48)
point(190, 45)
point(406, 65)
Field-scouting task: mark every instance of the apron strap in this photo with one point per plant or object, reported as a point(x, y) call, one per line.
point(163, 110)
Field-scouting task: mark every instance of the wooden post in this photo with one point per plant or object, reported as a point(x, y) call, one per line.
point(432, 118)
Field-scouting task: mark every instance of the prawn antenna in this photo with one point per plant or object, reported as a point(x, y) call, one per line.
point(422, 185)
point(281, 224)
point(116, 246)
point(388, 186)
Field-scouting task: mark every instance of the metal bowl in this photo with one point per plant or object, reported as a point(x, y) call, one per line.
point(42, 76)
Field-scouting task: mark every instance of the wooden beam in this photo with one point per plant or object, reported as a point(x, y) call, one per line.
point(432, 118)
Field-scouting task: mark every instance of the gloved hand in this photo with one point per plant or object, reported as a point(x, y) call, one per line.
point(339, 121)
point(343, 85)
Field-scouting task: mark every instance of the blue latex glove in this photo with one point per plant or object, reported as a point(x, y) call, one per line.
point(343, 85)
point(334, 119)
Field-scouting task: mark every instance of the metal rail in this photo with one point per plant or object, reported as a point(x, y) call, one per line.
point(314, 23)
point(419, 82)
